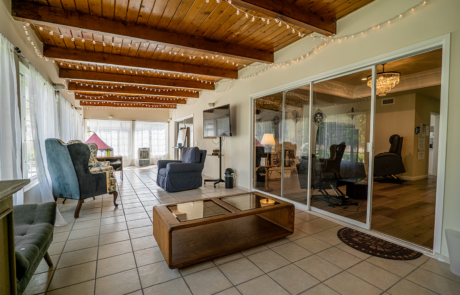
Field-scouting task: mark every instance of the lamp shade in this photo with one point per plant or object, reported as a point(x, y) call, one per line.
point(100, 144)
point(268, 139)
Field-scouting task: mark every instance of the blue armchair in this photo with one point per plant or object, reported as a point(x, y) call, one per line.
point(71, 176)
point(174, 176)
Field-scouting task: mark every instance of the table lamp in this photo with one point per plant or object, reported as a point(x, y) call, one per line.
point(268, 140)
point(101, 145)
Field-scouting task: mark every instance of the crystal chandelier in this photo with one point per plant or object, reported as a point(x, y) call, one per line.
point(385, 81)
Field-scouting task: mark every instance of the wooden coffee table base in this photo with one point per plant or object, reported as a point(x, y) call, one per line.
point(195, 241)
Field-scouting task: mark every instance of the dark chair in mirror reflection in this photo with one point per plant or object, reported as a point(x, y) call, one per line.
point(387, 165)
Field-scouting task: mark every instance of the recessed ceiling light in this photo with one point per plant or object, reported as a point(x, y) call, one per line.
point(363, 79)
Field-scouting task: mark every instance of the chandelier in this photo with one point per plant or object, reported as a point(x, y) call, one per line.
point(385, 81)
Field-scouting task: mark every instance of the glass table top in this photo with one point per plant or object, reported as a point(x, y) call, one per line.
point(249, 201)
point(197, 210)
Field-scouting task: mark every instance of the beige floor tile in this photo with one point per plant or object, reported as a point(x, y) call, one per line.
point(144, 243)
point(374, 275)
point(73, 275)
point(434, 282)
point(197, 267)
point(328, 237)
point(139, 223)
point(60, 237)
point(83, 233)
point(293, 279)
point(298, 220)
point(231, 291)
point(114, 249)
point(324, 223)
point(56, 248)
point(228, 258)
point(261, 285)
point(419, 261)
point(141, 232)
point(398, 267)
point(38, 282)
point(207, 281)
point(83, 218)
point(115, 264)
point(113, 237)
point(173, 287)
point(86, 288)
point(292, 252)
point(137, 216)
point(119, 283)
point(306, 216)
point(240, 271)
point(64, 228)
point(111, 220)
point(320, 289)
point(148, 256)
point(309, 228)
point(312, 244)
point(157, 273)
point(318, 267)
point(277, 243)
point(347, 284)
point(298, 234)
point(352, 251)
point(79, 244)
point(43, 266)
point(77, 257)
point(440, 268)
point(110, 228)
point(139, 209)
point(340, 258)
point(268, 260)
point(86, 224)
point(405, 287)
point(254, 250)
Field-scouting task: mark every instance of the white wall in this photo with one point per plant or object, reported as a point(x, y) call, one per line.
point(439, 17)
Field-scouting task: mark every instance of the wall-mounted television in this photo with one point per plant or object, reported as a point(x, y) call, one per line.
point(216, 122)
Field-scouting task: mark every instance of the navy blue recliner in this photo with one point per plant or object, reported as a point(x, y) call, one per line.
point(174, 176)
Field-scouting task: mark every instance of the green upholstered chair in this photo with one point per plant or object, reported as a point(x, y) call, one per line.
point(33, 234)
point(71, 176)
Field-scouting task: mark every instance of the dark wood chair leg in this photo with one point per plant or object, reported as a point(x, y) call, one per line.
point(55, 199)
point(77, 210)
point(63, 202)
point(115, 196)
point(48, 259)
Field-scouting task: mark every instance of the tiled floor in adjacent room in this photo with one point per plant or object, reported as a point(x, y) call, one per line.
point(112, 251)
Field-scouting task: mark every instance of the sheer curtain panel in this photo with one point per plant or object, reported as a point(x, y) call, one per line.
point(44, 117)
point(117, 134)
point(151, 135)
point(10, 130)
point(70, 121)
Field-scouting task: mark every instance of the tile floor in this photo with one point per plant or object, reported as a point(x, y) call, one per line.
point(112, 251)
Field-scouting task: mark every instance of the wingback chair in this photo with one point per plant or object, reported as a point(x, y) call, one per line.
point(174, 176)
point(71, 176)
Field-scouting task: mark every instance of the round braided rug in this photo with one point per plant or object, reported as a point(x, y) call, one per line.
point(375, 246)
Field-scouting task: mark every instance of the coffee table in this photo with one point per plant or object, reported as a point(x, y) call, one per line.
point(191, 232)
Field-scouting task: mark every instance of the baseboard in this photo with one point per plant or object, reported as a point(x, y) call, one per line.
point(413, 178)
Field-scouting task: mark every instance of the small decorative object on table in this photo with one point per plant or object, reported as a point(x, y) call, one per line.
point(215, 152)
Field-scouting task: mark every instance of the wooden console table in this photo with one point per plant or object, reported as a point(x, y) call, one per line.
point(7, 251)
point(116, 162)
point(195, 231)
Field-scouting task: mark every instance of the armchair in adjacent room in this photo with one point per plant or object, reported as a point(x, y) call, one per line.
point(71, 176)
point(174, 176)
point(387, 165)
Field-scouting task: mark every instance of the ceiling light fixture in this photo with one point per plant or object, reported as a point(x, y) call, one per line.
point(385, 81)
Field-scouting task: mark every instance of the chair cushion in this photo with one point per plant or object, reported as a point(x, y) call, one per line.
point(191, 155)
point(33, 232)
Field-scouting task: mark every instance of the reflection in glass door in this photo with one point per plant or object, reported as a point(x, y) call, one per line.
point(341, 117)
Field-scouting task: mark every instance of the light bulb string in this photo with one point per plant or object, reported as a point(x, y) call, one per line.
point(325, 41)
point(128, 97)
point(129, 85)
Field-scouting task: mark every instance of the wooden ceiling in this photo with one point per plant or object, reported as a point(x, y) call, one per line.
point(181, 45)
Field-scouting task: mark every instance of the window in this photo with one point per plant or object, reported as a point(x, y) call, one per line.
point(28, 156)
point(151, 135)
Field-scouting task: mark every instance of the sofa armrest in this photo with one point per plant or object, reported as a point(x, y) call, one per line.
point(163, 163)
point(184, 167)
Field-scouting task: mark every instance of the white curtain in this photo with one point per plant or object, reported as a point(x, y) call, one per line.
point(70, 121)
point(116, 134)
point(151, 135)
point(44, 117)
point(10, 124)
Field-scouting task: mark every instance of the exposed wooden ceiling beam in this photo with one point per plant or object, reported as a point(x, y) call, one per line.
point(135, 62)
point(291, 13)
point(108, 77)
point(120, 89)
point(46, 15)
point(118, 98)
point(126, 105)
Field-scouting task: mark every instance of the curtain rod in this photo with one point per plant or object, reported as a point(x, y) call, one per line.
point(20, 53)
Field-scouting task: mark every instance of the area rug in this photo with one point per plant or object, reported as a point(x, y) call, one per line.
point(375, 246)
